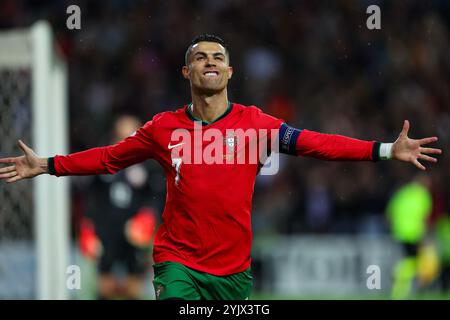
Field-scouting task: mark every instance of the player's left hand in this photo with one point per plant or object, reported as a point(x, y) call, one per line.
point(411, 150)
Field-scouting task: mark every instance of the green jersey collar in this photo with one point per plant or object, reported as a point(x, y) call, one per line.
point(205, 123)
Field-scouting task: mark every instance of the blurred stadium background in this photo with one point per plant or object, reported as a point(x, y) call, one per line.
point(317, 225)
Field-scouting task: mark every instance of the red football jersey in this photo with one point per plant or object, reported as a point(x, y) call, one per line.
point(206, 224)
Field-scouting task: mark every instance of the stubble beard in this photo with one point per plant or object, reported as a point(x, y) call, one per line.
point(209, 89)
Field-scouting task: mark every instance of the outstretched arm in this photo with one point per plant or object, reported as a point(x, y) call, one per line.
point(338, 147)
point(109, 159)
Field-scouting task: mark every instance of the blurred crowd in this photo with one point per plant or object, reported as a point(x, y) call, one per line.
point(314, 64)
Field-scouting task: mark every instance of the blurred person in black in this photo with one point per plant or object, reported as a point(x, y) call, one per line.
point(118, 228)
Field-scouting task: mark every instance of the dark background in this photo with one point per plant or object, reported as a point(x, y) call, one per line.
point(314, 64)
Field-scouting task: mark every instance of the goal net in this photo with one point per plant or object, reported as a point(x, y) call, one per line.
point(34, 214)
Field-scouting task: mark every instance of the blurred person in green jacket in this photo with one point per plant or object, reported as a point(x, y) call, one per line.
point(407, 213)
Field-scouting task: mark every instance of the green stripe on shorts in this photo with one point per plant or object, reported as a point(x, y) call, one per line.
point(176, 281)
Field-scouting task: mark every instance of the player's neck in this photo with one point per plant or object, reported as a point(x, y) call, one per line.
point(209, 108)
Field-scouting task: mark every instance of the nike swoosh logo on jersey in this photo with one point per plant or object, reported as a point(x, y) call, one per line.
point(175, 145)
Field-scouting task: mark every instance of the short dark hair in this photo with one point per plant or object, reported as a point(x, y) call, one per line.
point(204, 37)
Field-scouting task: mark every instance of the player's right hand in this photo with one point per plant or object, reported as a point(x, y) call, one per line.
point(27, 166)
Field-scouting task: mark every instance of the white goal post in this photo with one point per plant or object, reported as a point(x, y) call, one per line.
point(32, 49)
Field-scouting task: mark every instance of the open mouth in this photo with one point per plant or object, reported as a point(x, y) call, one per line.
point(211, 73)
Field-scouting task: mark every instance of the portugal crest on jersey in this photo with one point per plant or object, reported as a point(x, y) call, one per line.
point(230, 142)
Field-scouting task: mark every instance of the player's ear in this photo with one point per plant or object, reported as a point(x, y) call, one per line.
point(230, 72)
point(185, 72)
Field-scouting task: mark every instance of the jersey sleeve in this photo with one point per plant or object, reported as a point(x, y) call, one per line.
point(317, 145)
point(109, 159)
point(335, 147)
